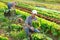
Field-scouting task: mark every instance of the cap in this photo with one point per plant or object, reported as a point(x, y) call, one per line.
point(34, 12)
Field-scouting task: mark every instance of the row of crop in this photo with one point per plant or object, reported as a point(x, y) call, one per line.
point(38, 36)
point(34, 3)
point(43, 11)
point(22, 36)
point(13, 28)
point(3, 38)
point(2, 7)
point(18, 34)
point(44, 24)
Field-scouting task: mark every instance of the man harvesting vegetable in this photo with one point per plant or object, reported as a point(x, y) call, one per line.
point(11, 4)
point(10, 13)
point(28, 27)
point(11, 9)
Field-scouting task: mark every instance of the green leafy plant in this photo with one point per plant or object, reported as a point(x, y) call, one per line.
point(36, 24)
point(39, 36)
point(18, 35)
point(3, 38)
point(21, 35)
point(2, 7)
point(16, 27)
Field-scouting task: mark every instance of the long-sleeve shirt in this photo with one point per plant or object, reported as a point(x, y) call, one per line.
point(29, 20)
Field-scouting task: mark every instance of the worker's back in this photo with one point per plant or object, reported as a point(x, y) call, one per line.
point(9, 5)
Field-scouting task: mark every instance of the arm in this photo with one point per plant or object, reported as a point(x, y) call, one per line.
point(26, 22)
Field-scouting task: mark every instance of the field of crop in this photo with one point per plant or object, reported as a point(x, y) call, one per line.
point(50, 15)
point(11, 30)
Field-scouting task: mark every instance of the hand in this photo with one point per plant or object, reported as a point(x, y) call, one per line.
point(32, 28)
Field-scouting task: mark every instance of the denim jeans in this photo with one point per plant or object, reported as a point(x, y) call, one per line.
point(28, 32)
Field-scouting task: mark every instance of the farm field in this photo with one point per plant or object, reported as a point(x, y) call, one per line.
point(48, 22)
